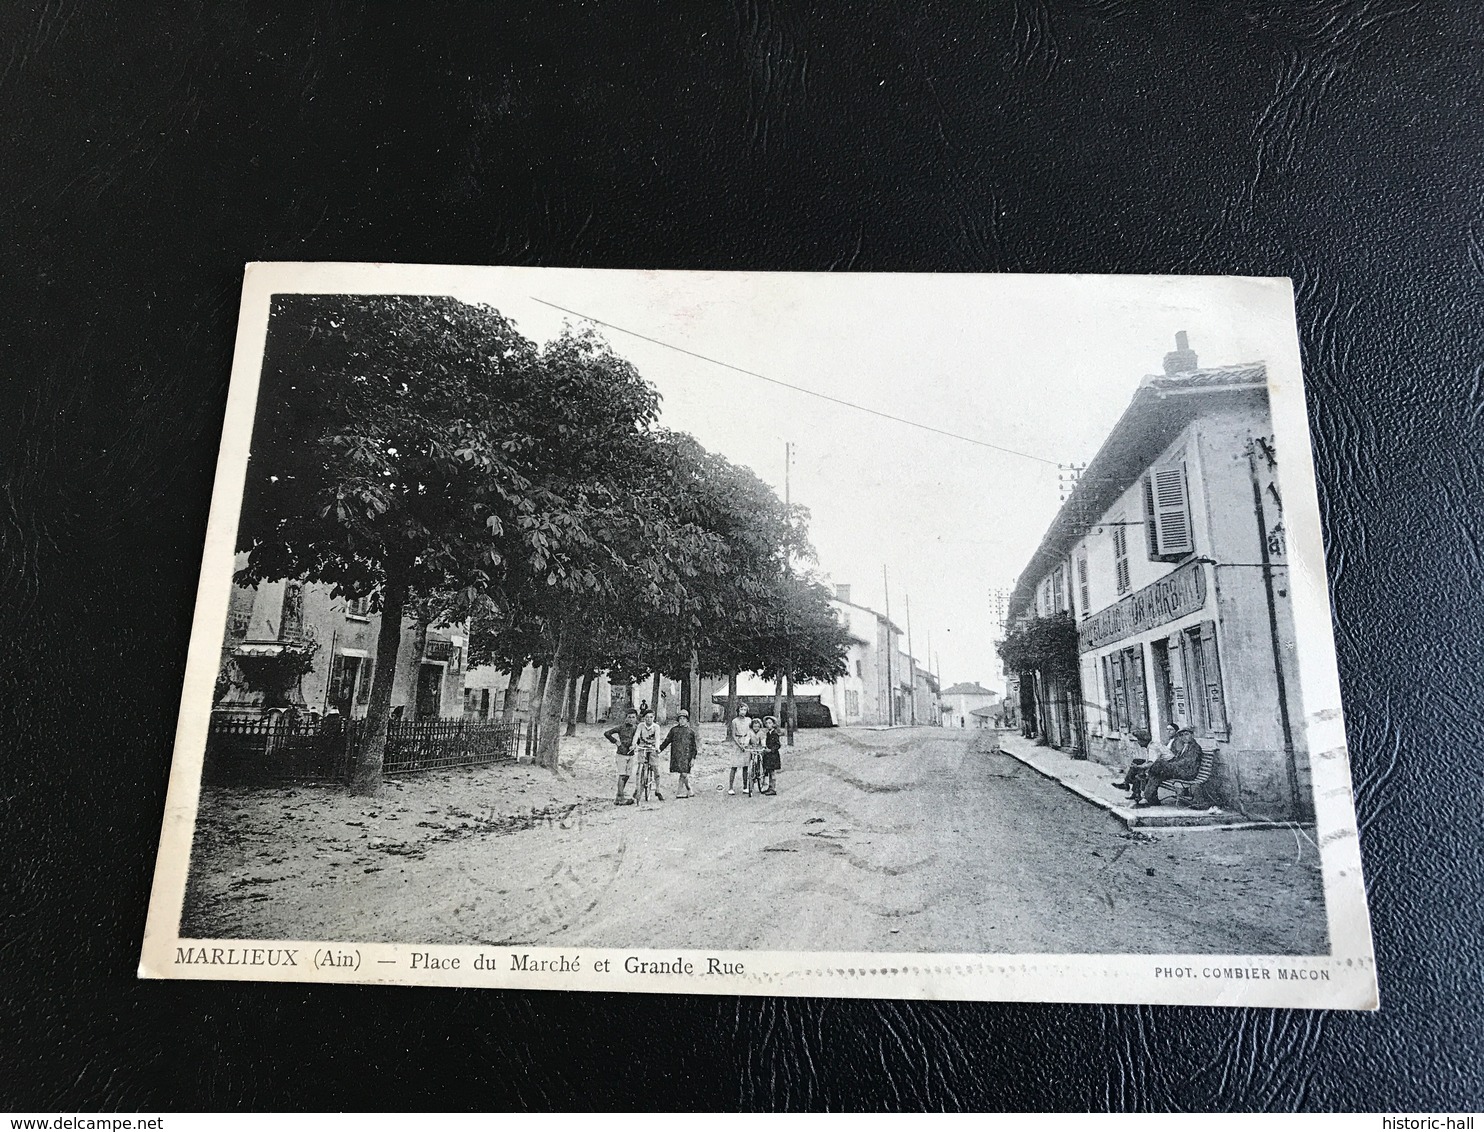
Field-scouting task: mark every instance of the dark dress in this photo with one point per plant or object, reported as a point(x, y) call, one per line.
point(682, 743)
point(773, 753)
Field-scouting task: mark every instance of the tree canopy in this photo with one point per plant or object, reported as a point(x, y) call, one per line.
point(420, 452)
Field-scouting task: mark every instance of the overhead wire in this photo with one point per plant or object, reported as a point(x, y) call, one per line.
point(799, 388)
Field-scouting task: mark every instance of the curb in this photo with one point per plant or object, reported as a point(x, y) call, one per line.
point(1137, 820)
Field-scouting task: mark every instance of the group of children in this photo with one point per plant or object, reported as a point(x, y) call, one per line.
point(637, 745)
point(746, 736)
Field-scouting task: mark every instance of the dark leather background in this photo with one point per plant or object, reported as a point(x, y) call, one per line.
point(148, 154)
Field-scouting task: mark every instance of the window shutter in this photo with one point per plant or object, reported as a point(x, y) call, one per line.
point(1151, 533)
point(337, 677)
point(1179, 685)
point(1172, 512)
point(368, 669)
point(1107, 697)
point(1120, 555)
point(1215, 700)
point(1137, 693)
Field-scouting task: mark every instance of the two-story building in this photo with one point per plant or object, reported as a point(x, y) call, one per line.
point(963, 700)
point(1169, 556)
point(265, 620)
point(872, 691)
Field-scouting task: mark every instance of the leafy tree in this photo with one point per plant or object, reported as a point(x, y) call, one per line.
point(390, 457)
point(802, 635)
point(1042, 644)
point(600, 540)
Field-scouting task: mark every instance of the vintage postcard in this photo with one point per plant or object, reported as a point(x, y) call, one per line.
point(898, 636)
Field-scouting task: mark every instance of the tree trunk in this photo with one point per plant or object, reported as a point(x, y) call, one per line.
point(654, 693)
point(793, 710)
point(778, 700)
point(572, 703)
point(365, 775)
point(549, 729)
point(538, 702)
point(693, 688)
point(731, 697)
point(533, 710)
point(586, 697)
point(512, 696)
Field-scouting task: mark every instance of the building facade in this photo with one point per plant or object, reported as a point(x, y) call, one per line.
point(265, 621)
point(883, 685)
point(1169, 558)
point(872, 692)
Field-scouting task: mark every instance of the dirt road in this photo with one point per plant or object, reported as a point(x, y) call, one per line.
point(904, 840)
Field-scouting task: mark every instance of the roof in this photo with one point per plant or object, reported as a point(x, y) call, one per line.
point(881, 617)
point(1163, 405)
point(983, 712)
point(971, 688)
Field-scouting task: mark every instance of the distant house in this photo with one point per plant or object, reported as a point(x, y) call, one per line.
point(963, 702)
point(984, 716)
point(883, 685)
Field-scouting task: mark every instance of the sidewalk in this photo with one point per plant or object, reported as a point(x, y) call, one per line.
point(1093, 782)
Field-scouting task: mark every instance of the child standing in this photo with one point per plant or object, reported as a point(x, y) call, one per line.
point(647, 751)
point(772, 755)
point(739, 738)
point(682, 741)
point(754, 758)
point(622, 738)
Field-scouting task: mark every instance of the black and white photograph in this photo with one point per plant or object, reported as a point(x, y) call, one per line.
point(920, 636)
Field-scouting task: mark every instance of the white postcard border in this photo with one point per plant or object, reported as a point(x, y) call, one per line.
point(1345, 979)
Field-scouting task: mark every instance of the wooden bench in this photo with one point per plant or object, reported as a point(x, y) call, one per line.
point(1184, 789)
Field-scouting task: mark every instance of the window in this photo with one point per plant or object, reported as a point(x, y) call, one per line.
point(291, 623)
point(1059, 589)
point(1083, 600)
point(1201, 668)
point(1113, 685)
point(1123, 677)
point(344, 672)
point(859, 674)
point(358, 607)
point(1167, 525)
point(1120, 555)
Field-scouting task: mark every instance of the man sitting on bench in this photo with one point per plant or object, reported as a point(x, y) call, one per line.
point(1177, 759)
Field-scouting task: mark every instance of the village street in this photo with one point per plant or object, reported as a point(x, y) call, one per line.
point(902, 840)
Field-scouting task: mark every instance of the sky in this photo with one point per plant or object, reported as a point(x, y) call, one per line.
point(1042, 365)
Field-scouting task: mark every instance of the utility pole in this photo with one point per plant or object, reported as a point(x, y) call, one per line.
point(928, 648)
point(792, 724)
point(911, 664)
point(891, 691)
point(1300, 806)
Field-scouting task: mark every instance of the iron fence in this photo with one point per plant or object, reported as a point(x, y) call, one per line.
point(264, 750)
point(438, 744)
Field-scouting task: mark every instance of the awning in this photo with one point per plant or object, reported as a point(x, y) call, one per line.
point(259, 648)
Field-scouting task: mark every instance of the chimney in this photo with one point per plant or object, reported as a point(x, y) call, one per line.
point(842, 593)
point(1182, 358)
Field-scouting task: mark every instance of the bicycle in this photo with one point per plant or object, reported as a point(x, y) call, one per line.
point(755, 770)
point(648, 776)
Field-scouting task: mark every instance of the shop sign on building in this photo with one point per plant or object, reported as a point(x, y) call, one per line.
point(1176, 594)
